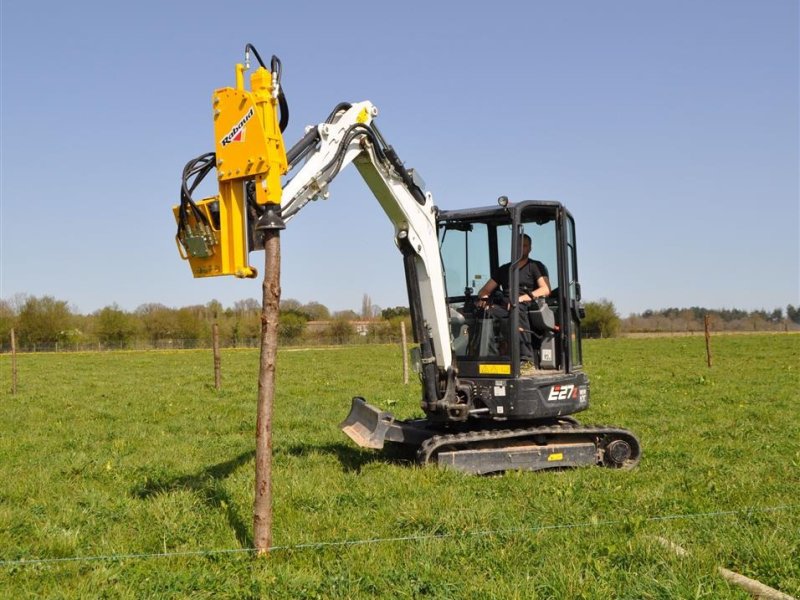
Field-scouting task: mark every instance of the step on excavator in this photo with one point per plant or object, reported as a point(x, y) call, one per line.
point(486, 409)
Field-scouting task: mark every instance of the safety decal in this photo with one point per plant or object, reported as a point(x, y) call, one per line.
point(486, 369)
point(236, 134)
point(555, 456)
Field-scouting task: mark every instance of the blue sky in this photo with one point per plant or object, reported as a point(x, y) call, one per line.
point(669, 129)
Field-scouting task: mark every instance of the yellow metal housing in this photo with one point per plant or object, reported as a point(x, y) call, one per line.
point(249, 147)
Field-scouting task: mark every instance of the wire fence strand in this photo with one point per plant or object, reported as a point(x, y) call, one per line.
point(396, 539)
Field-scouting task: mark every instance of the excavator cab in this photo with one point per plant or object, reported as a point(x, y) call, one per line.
point(516, 419)
point(474, 243)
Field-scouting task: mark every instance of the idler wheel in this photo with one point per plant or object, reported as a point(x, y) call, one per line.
point(617, 452)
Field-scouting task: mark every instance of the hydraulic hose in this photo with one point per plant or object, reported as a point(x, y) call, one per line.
point(198, 168)
point(277, 69)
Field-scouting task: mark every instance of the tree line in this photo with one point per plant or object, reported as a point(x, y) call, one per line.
point(46, 322)
point(603, 320)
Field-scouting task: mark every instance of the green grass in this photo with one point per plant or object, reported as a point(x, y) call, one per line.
point(136, 453)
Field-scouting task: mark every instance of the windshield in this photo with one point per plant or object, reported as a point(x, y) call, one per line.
point(476, 253)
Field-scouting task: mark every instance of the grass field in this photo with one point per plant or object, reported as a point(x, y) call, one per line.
point(135, 453)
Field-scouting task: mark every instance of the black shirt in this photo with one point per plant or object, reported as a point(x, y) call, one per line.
point(529, 274)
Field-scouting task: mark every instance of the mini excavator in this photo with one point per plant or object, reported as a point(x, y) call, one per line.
point(483, 412)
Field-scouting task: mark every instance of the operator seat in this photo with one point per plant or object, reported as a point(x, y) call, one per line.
point(543, 327)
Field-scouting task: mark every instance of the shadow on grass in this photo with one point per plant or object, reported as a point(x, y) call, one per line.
point(352, 458)
point(208, 484)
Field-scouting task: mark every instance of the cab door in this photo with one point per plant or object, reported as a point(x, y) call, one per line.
point(571, 291)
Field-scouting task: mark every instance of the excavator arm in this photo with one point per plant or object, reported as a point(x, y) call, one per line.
point(348, 136)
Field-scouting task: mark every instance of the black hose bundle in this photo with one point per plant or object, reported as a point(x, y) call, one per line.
point(277, 70)
point(193, 173)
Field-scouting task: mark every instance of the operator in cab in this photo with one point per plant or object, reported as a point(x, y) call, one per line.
point(533, 283)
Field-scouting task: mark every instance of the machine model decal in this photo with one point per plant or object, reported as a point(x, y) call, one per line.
point(236, 134)
point(562, 392)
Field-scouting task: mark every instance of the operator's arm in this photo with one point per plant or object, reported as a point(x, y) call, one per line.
point(542, 288)
point(545, 274)
point(542, 291)
point(486, 291)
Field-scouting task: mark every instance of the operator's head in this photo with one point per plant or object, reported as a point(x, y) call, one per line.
point(526, 244)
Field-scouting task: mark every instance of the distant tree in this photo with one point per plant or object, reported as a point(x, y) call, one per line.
point(395, 311)
point(248, 305)
point(388, 330)
point(340, 331)
point(347, 315)
point(793, 314)
point(316, 311)
point(226, 323)
point(215, 310)
point(44, 320)
point(366, 307)
point(686, 320)
point(291, 325)
point(8, 318)
point(114, 326)
point(190, 325)
point(601, 319)
point(248, 327)
point(290, 304)
point(158, 322)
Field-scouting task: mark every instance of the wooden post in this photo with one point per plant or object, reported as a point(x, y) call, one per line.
point(217, 360)
point(13, 362)
point(707, 321)
point(405, 350)
point(262, 505)
point(753, 587)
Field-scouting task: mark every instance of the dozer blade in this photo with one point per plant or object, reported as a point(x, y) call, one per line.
point(370, 427)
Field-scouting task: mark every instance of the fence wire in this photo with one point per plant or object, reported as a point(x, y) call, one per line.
point(396, 539)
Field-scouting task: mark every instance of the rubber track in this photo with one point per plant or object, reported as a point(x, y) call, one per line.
point(594, 433)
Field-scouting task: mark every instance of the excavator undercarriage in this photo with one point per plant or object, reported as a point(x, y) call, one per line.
point(480, 446)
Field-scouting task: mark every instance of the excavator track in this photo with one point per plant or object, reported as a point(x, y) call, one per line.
point(566, 444)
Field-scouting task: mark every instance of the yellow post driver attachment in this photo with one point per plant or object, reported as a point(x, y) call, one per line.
point(250, 158)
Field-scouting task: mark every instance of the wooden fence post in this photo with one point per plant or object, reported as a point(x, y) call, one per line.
point(707, 321)
point(217, 359)
point(13, 362)
point(405, 350)
point(262, 505)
